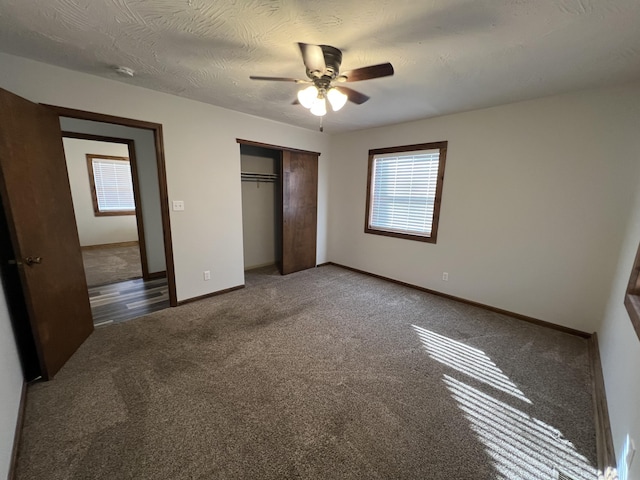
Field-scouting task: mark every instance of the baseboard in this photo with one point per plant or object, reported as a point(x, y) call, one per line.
point(254, 267)
point(525, 318)
point(110, 245)
point(154, 275)
point(604, 439)
point(209, 295)
point(18, 433)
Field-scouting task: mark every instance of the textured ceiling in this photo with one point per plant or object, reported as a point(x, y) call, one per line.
point(449, 55)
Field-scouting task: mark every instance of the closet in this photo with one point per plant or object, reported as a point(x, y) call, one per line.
point(261, 219)
point(279, 206)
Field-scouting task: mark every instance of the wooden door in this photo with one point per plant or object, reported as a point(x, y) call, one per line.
point(299, 210)
point(37, 201)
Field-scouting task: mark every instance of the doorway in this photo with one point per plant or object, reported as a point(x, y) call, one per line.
point(147, 146)
point(261, 206)
point(43, 234)
point(295, 174)
point(103, 176)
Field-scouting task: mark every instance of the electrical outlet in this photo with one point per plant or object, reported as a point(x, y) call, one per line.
point(207, 275)
point(445, 276)
point(626, 458)
point(178, 205)
point(630, 447)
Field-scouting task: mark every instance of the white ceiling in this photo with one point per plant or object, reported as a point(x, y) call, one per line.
point(449, 55)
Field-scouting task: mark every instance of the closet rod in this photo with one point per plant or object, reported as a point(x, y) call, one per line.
point(258, 177)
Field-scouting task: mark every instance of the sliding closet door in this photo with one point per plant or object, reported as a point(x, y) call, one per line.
point(299, 210)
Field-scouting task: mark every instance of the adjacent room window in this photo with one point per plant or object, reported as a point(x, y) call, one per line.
point(111, 185)
point(632, 297)
point(404, 189)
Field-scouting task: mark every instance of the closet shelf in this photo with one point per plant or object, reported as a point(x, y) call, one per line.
point(258, 177)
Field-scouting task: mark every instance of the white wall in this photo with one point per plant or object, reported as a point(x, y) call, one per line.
point(94, 230)
point(202, 160)
point(536, 196)
point(148, 186)
point(258, 212)
point(620, 347)
point(10, 387)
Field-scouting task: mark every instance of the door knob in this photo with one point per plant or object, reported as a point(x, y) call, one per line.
point(28, 260)
point(31, 260)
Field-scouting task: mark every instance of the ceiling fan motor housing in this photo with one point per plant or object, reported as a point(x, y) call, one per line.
point(332, 59)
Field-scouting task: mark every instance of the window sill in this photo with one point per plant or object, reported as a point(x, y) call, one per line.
point(113, 214)
point(406, 236)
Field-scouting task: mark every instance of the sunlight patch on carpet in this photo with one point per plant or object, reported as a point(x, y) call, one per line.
point(521, 447)
point(468, 360)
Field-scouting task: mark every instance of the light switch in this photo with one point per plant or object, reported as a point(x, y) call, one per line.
point(178, 205)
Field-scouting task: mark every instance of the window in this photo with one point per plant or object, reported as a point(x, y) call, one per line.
point(404, 189)
point(632, 297)
point(111, 185)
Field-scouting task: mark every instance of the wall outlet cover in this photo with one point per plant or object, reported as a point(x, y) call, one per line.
point(631, 451)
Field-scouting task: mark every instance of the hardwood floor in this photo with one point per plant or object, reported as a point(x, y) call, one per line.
point(118, 302)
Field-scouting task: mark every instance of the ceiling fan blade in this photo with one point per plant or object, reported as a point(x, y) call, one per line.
point(313, 57)
point(353, 96)
point(367, 73)
point(278, 79)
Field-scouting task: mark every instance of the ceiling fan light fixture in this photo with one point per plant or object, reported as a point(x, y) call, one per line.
point(307, 96)
point(319, 107)
point(336, 98)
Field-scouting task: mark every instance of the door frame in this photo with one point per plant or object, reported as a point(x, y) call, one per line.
point(156, 128)
point(136, 187)
point(242, 141)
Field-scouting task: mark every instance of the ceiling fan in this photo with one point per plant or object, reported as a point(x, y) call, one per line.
point(322, 63)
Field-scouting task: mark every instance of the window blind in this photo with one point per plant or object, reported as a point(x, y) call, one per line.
point(114, 187)
point(404, 191)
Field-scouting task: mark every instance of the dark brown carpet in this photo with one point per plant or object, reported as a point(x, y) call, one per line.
point(322, 374)
point(111, 264)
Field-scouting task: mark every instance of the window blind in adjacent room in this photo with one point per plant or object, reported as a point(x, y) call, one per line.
point(113, 184)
